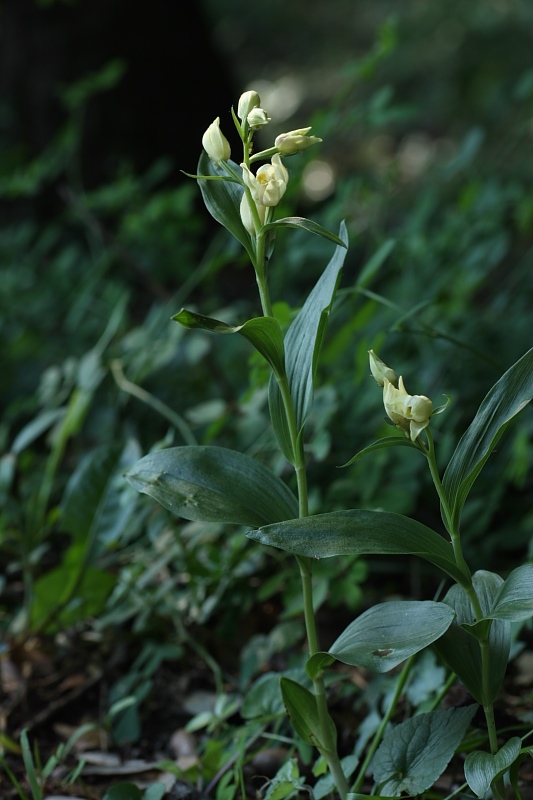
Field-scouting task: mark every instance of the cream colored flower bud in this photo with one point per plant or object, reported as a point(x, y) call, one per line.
point(295, 141)
point(247, 101)
point(247, 217)
point(411, 413)
point(380, 370)
point(257, 118)
point(215, 143)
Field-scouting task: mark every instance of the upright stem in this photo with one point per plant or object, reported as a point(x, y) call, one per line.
point(453, 529)
point(306, 573)
point(330, 753)
point(260, 273)
point(330, 750)
point(498, 787)
point(447, 511)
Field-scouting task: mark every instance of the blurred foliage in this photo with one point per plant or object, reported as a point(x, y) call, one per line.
point(427, 125)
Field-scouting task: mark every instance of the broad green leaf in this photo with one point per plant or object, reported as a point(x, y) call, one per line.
point(303, 713)
point(388, 633)
point(223, 199)
point(360, 532)
point(123, 791)
point(514, 600)
point(213, 484)
point(482, 768)
point(414, 754)
point(263, 332)
point(302, 347)
point(504, 401)
point(460, 649)
point(306, 225)
point(387, 441)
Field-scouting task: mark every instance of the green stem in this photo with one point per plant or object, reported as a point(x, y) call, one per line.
point(498, 787)
point(330, 751)
point(453, 529)
point(264, 155)
point(452, 677)
point(447, 511)
point(261, 276)
point(404, 674)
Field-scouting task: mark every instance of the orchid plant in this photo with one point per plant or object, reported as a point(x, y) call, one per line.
point(470, 627)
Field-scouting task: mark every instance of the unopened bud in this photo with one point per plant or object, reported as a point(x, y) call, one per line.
point(247, 216)
point(247, 101)
point(215, 143)
point(257, 118)
point(380, 370)
point(295, 141)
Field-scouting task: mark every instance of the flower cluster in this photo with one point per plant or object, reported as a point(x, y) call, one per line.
point(410, 413)
point(264, 190)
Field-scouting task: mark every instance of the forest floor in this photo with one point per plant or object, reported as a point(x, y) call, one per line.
point(51, 689)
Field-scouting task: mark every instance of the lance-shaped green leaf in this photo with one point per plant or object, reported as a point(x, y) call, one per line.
point(372, 266)
point(93, 508)
point(223, 199)
point(306, 225)
point(357, 531)
point(303, 713)
point(460, 647)
point(264, 333)
point(303, 341)
point(389, 633)
point(481, 769)
point(514, 600)
point(387, 441)
point(414, 754)
point(213, 484)
point(507, 397)
point(96, 509)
